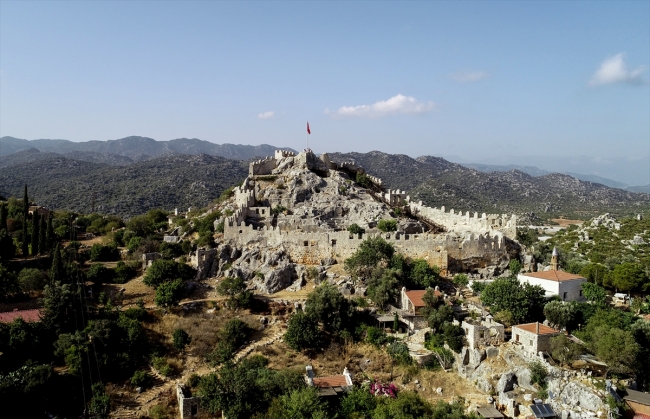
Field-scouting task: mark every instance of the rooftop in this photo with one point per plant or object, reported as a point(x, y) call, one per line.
point(416, 297)
point(489, 412)
point(537, 328)
point(557, 276)
point(27, 315)
point(332, 381)
point(638, 397)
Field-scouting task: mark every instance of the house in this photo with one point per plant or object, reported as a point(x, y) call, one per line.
point(149, 258)
point(412, 303)
point(639, 404)
point(489, 412)
point(567, 285)
point(534, 337)
point(27, 315)
point(189, 405)
point(329, 386)
point(483, 332)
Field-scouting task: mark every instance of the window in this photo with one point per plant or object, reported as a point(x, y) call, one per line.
point(333, 242)
point(531, 342)
point(306, 243)
point(581, 293)
point(516, 338)
point(564, 296)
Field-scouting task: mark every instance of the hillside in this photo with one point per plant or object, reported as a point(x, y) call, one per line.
point(139, 148)
point(173, 181)
point(438, 182)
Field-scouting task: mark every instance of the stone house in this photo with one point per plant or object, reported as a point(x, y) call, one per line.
point(483, 332)
point(533, 337)
point(411, 305)
point(333, 385)
point(639, 404)
point(188, 406)
point(567, 285)
point(149, 258)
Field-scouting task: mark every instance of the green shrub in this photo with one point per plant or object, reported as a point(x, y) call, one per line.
point(355, 229)
point(387, 225)
point(141, 379)
point(161, 365)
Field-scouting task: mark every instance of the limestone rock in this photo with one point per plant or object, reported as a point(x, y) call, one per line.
point(506, 382)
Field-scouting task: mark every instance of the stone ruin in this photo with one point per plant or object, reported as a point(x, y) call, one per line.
point(294, 209)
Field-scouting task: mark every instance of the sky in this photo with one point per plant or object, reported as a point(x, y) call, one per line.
point(483, 81)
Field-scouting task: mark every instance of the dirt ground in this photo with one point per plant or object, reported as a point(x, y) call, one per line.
point(564, 223)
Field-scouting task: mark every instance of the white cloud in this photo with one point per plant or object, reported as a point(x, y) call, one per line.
point(469, 76)
point(266, 115)
point(398, 104)
point(614, 70)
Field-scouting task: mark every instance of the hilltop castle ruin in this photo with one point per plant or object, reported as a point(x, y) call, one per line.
point(301, 205)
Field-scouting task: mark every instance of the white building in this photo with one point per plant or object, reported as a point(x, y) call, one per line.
point(567, 285)
point(534, 337)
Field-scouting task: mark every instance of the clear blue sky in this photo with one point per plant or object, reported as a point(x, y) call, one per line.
point(474, 79)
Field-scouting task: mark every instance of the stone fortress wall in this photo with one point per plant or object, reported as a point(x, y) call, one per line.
point(480, 237)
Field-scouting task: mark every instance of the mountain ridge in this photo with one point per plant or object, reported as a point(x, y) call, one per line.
point(135, 147)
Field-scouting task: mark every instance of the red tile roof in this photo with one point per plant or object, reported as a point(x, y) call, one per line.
point(333, 381)
point(27, 315)
point(416, 297)
point(557, 276)
point(533, 328)
point(641, 416)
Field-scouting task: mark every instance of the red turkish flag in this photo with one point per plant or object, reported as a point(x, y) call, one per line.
point(308, 130)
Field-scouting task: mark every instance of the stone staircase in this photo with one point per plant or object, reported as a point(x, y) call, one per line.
point(257, 344)
point(135, 406)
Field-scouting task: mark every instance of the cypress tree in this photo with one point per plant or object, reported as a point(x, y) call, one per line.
point(25, 244)
point(42, 243)
point(49, 234)
point(56, 272)
point(35, 219)
point(25, 204)
point(25, 233)
point(3, 217)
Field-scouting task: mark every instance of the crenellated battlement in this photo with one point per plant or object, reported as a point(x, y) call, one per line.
point(453, 220)
point(280, 154)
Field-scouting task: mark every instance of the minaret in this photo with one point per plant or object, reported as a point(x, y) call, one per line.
point(554, 263)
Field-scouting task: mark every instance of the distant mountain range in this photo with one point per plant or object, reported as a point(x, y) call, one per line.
point(438, 182)
point(535, 171)
point(135, 148)
point(168, 182)
point(134, 174)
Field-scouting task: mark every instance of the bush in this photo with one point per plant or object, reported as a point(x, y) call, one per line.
point(235, 290)
point(363, 180)
point(302, 332)
point(538, 373)
point(141, 379)
point(31, 279)
point(161, 365)
point(181, 339)
point(124, 272)
point(100, 253)
point(170, 293)
point(387, 225)
point(99, 274)
point(355, 229)
point(162, 270)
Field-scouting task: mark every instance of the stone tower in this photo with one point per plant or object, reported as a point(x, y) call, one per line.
point(554, 262)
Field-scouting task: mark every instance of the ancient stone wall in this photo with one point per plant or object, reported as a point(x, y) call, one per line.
point(483, 333)
point(262, 167)
point(457, 221)
point(188, 406)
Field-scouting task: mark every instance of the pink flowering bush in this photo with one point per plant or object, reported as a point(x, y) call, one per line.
point(381, 389)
